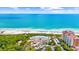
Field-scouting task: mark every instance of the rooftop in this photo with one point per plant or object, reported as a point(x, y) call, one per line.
point(70, 34)
point(45, 37)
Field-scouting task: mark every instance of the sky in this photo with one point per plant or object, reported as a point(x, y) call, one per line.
point(40, 10)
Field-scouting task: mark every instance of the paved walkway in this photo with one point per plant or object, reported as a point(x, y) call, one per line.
point(55, 40)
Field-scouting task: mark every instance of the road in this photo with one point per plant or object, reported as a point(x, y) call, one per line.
point(56, 42)
point(52, 47)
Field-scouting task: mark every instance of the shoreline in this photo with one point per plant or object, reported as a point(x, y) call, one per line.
point(29, 30)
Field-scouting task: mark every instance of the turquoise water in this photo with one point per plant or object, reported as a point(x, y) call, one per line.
point(39, 21)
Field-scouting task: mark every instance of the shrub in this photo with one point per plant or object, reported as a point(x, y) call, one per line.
point(57, 48)
point(48, 49)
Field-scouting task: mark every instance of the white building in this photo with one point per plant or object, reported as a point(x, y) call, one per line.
point(39, 41)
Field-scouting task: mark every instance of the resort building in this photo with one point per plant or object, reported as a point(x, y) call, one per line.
point(39, 41)
point(71, 39)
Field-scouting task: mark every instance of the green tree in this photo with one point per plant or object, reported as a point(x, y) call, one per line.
point(48, 49)
point(19, 48)
point(39, 49)
point(67, 48)
point(49, 43)
point(29, 48)
point(58, 48)
point(62, 43)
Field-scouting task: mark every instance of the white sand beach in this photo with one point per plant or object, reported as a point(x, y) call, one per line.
point(43, 31)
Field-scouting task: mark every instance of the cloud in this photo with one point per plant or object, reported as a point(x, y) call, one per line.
point(61, 10)
point(42, 10)
point(51, 8)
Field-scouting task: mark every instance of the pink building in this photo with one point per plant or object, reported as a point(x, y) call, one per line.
point(71, 39)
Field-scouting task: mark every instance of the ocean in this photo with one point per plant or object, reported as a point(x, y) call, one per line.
point(39, 21)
